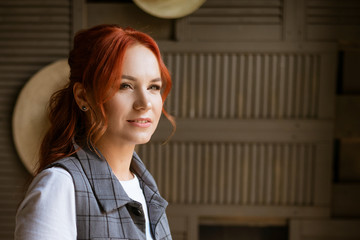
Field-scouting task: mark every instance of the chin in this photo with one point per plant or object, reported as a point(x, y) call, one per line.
point(142, 140)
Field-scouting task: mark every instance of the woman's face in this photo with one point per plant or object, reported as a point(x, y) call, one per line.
point(134, 111)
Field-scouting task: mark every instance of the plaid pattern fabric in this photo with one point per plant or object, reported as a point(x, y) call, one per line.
point(103, 209)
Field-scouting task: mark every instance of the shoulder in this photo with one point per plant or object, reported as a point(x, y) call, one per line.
point(53, 175)
point(66, 163)
point(70, 164)
point(50, 182)
point(50, 198)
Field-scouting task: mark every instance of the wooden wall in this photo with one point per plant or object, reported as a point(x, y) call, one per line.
point(33, 33)
point(254, 96)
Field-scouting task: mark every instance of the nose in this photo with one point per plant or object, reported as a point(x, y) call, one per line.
point(142, 101)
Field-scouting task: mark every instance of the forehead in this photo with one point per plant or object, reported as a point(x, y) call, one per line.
point(140, 59)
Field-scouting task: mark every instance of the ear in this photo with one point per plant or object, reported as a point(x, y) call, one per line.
point(80, 96)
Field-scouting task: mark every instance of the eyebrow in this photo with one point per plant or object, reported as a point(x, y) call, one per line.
point(134, 79)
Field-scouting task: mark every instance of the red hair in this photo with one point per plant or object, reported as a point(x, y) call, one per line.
point(94, 62)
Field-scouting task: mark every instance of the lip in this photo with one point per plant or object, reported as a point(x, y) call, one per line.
point(140, 122)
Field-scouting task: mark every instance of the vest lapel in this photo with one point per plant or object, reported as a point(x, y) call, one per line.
point(156, 204)
point(108, 190)
point(106, 187)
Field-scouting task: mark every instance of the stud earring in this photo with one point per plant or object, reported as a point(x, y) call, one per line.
point(84, 108)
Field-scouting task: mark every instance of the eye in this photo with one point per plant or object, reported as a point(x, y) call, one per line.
point(155, 87)
point(125, 86)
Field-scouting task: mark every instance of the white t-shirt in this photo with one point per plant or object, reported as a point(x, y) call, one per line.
point(133, 190)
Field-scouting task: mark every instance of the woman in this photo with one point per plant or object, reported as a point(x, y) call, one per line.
point(90, 183)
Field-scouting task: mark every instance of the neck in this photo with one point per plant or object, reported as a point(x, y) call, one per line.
point(119, 158)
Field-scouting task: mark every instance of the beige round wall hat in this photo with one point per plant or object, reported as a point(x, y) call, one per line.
point(169, 8)
point(30, 121)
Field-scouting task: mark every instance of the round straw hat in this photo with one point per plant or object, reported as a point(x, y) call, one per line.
point(30, 121)
point(169, 8)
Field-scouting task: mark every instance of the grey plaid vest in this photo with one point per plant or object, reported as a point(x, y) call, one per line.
point(103, 209)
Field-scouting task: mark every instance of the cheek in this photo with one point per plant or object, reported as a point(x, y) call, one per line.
point(158, 104)
point(114, 109)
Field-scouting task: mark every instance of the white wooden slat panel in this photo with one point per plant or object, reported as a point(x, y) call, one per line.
point(310, 167)
point(231, 175)
point(200, 89)
point(216, 86)
point(249, 174)
point(213, 175)
point(255, 9)
point(249, 86)
point(46, 59)
point(34, 19)
point(331, 20)
point(253, 175)
point(13, 11)
point(245, 174)
point(226, 20)
point(13, 77)
point(182, 183)
point(269, 179)
point(29, 27)
point(167, 165)
point(30, 35)
point(184, 86)
point(233, 83)
point(290, 76)
point(257, 88)
point(236, 169)
point(323, 229)
point(209, 79)
point(309, 175)
point(333, 12)
point(15, 68)
point(315, 86)
point(13, 52)
point(199, 177)
point(300, 185)
point(288, 88)
point(33, 33)
point(190, 168)
point(292, 174)
point(277, 174)
point(239, 100)
point(159, 168)
point(243, 3)
point(281, 85)
point(233, 20)
point(193, 86)
point(344, 19)
point(176, 74)
point(216, 10)
point(222, 85)
point(266, 84)
point(170, 62)
point(175, 174)
point(206, 172)
point(35, 3)
point(287, 163)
